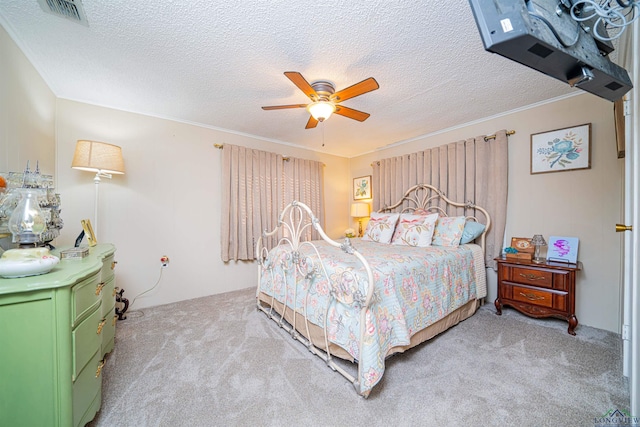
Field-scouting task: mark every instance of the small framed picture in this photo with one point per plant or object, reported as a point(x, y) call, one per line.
point(362, 188)
point(563, 249)
point(88, 231)
point(561, 150)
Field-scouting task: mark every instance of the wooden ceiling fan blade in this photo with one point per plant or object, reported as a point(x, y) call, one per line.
point(351, 113)
point(282, 107)
point(357, 89)
point(311, 123)
point(302, 84)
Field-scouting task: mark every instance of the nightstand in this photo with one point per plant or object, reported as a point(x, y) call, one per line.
point(538, 290)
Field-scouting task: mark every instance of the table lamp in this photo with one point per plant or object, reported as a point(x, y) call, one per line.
point(359, 210)
point(537, 241)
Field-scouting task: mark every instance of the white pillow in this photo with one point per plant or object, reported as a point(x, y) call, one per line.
point(415, 230)
point(380, 227)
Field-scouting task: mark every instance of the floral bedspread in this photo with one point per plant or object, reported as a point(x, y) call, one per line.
point(414, 288)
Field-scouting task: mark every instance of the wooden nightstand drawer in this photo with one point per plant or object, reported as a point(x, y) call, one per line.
point(528, 276)
point(533, 296)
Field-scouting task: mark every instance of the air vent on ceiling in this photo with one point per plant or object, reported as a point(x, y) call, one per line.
point(69, 9)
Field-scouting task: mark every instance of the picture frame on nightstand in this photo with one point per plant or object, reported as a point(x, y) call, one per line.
point(563, 249)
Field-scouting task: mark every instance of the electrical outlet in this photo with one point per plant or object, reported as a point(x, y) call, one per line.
point(164, 260)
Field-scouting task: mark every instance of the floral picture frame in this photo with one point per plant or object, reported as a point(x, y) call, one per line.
point(362, 188)
point(561, 150)
point(563, 249)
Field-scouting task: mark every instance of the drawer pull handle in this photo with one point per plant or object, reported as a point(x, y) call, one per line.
point(100, 366)
point(115, 319)
point(531, 297)
point(531, 276)
point(100, 326)
point(113, 265)
point(99, 288)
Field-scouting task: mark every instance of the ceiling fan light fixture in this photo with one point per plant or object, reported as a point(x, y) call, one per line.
point(321, 110)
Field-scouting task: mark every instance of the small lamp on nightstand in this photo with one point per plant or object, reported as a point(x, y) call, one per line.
point(359, 210)
point(537, 240)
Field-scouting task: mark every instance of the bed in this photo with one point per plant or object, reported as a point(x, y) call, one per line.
point(365, 299)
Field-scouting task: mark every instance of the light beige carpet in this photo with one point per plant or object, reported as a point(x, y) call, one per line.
point(217, 361)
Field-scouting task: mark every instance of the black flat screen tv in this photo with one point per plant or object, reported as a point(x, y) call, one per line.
point(542, 35)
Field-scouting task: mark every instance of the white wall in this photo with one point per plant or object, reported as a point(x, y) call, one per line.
point(168, 202)
point(27, 112)
point(27, 116)
point(583, 203)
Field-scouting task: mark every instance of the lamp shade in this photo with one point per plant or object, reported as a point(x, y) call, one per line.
point(96, 156)
point(538, 240)
point(321, 110)
point(359, 210)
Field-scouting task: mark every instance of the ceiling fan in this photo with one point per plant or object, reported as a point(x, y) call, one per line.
point(325, 99)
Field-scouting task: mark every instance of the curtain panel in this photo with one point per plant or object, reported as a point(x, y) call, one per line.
point(256, 186)
point(474, 170)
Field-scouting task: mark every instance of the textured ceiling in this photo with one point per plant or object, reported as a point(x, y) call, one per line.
point(217, 63)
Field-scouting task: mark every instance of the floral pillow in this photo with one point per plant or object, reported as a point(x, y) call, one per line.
point(380, 227)
point(471, 231)
point(448, 231)
point(414, 230)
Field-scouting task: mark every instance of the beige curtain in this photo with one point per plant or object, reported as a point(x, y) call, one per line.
point(474, 170)
point(303, 182)
point(256, 185)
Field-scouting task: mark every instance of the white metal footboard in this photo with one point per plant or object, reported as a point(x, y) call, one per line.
point(294, 221)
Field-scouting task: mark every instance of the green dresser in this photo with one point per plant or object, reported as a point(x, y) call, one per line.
point(55, 330)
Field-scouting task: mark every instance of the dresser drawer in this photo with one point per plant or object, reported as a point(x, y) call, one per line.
point(108, 295)
point(533, 296)
point(109, 331)
point(86, 391)
point(85, 296)
point(529, 276)
point(108, 266)
point(86, 340)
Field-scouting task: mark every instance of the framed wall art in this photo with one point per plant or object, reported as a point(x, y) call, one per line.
point(362, 188)
point(561, 150)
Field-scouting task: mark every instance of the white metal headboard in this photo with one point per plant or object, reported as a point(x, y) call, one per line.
point(429, 198)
